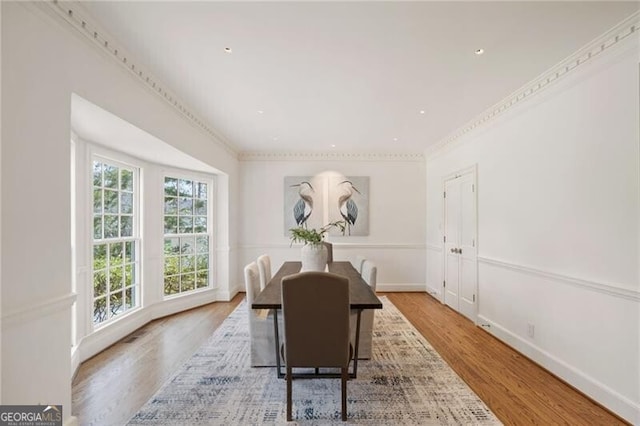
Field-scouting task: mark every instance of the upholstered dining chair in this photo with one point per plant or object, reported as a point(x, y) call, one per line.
point(369, 275)
point(264, 267)
point(315, 307)
point(329, 247)
point(260, 322)
point(358, 265)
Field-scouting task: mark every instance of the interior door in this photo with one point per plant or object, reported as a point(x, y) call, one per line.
point(461, 270)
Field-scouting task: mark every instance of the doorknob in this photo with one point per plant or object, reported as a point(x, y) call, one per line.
point(453, 250)
point(459, 251)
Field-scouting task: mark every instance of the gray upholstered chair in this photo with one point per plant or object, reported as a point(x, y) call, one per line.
point(264, 267)
point(358, 265)
point(263, 353)
point(315, 307)
point(329, 247)
point(369, 274)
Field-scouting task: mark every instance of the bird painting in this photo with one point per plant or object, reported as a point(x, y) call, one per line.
point(303, 208)
point(347, 206)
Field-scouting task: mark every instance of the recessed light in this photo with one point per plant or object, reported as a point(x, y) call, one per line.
point(422, 111)
point(228, 50)
point(395, 139)
point(479, 51)
point(275, 138)
point(260, 111)
point(333, 145)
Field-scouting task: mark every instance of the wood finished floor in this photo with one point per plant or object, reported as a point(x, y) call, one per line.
point(112, 386)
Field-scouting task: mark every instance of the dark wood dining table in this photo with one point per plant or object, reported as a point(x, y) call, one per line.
point(361, 297)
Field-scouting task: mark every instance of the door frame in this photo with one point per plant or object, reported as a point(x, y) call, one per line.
point(473, 170)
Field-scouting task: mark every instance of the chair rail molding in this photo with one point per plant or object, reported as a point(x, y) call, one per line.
point(77, 19)
point(622, 31)
point(616, 290)
point(329, 156)
point(38, 310)
point(397, 246)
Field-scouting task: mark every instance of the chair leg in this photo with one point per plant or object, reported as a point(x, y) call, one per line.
point(289, 410)
point(345, 376)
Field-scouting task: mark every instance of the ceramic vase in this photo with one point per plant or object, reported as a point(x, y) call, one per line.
point(314, 257)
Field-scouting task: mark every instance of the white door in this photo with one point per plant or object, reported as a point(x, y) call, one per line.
point(460, 284)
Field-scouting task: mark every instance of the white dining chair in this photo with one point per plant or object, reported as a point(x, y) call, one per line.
point(358, 265)
point(264, 268)
point(261, 331)
point(369, 275)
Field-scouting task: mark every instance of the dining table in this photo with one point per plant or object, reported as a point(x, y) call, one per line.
point(361, 297)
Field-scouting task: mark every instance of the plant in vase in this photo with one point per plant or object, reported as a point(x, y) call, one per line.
point(314, 253)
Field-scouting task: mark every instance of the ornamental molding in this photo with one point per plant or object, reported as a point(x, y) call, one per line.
point(622, 31)
point(73, 14)
point(329, 156)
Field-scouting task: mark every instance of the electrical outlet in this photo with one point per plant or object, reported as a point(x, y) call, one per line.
point(531, 330)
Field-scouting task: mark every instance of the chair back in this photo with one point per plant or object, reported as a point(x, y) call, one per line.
point(370, 273)
point(251, 282)
point(358, 265)
point(329, 247)
point(264, 267)
point(316, 310)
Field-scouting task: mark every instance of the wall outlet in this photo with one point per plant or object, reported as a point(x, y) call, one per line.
point(531, 330)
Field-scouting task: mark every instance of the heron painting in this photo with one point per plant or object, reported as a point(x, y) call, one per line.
point(302, 202)
point(348, 201)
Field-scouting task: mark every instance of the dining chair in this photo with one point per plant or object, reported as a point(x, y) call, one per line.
point(358, 265)
point(329, 247)
point(315, 307)
point(264, 267)
point(261, 333)
point(369, 275)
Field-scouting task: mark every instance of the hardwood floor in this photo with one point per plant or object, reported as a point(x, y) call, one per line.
point(112, 386)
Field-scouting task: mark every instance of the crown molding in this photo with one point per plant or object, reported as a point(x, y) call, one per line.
point(74, 15)
point(329, 156)
point(622, 31)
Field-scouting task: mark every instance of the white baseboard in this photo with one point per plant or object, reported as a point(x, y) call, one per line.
point(624, 407)
point(392, 287)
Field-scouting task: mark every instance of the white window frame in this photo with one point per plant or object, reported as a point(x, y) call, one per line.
point(120, 160)
point(210, 180)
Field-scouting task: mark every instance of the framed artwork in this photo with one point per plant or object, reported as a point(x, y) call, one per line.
point(303, 202)
point(349, 201)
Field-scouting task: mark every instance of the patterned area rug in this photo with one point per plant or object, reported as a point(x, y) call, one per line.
point(405, 383)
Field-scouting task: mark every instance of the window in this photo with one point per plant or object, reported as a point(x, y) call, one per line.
point(116, 283)
point(186, 231)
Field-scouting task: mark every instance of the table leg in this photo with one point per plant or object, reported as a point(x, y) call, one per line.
point(277, 343)
point(355, 350)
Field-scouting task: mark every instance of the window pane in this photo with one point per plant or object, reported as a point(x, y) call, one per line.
point(126, 180)
point(100, 310)
point(97, 200)
point(185, 225)
point(97, 227)
point(187, 263)
point(172, 285)
point(187, 245)
point(115, 254)
point(115, 301)
point(126, 203)
point(200, 207)
point(171, 246)
point(97, 173)
point(171, 225)
point(110, 201)
point(110, 176)
point(111, 226)
point(126, 226)
point(202, 190)
point(186, 206)
point(203, 244)
point(99, 256)
point(170, 205)
point(130, 253)
point(170, 186)
point(171, 265)
point(116, 279)
point(202, 262)
point(188, 282)
point(128, 275)
point(186, 188)
point(202, 279)
point(130, 298)
point(99, 283)
point(200, 225)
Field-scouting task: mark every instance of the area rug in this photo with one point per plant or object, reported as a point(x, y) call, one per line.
point(405, 383)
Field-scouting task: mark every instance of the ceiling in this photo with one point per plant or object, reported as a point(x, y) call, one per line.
point(348, 76)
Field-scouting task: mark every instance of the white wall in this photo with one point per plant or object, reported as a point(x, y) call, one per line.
point(558, 226)
point(397, 210)
point(49, 62)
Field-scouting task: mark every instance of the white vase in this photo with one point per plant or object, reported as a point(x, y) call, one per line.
point(314, 257)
